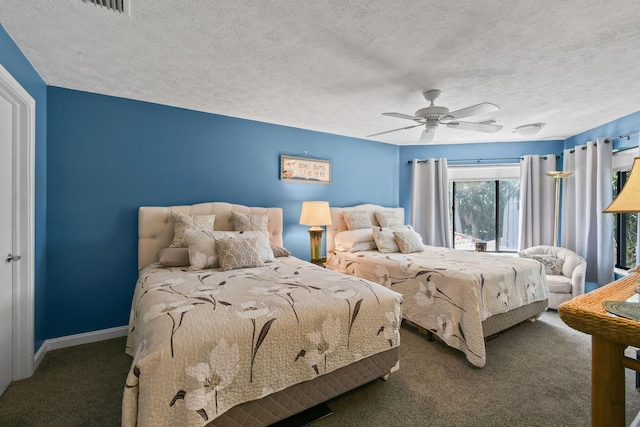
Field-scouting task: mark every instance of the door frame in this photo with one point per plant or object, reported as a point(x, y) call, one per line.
point(23, 140)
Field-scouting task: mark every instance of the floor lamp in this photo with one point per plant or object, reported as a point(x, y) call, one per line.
point(557, 175)
point(315, 214)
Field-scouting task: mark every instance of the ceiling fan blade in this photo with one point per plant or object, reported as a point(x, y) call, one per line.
point(428, 135)
point(478, 127)
point(402, 116)
point(394, 130)
point(483, 108)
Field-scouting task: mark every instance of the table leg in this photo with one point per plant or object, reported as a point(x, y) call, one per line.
point(607, 383)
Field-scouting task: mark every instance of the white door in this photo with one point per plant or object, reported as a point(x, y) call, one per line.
point(6, 244)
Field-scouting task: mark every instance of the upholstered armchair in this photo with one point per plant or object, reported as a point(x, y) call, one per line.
point(570, 282)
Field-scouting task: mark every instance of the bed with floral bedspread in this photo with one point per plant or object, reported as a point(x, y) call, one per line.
point(205, 341)
point(449, 292)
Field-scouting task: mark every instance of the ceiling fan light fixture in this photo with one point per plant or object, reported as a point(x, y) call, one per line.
point(530, 129)
point(434, 115)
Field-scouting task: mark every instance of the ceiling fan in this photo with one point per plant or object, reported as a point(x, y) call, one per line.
point(433, 115)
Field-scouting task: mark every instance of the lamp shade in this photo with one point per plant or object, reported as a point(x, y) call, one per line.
point(558, 174)
point(315, 214)
point(628, 199)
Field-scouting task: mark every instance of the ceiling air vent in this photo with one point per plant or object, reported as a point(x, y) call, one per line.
point(121, 6)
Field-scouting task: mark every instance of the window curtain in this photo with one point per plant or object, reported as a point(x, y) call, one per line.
point(585, 229)
point(430, 201)
point(537, 201)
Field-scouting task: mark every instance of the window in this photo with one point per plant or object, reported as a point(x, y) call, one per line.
point(479, 208)
point(625, 226)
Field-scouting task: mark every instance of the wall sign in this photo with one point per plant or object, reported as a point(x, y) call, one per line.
point(299, 169)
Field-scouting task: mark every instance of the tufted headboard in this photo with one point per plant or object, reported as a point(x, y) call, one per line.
point(338, 223)
point(155, 226)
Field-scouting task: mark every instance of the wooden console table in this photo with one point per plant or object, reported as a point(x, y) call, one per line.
point(610, 336)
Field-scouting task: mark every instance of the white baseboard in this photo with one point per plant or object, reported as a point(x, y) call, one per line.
point(77, 339)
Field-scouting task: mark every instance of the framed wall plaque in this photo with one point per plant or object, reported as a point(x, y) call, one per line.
point(300, 169)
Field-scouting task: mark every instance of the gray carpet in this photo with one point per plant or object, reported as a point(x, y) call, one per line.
point(537, 374)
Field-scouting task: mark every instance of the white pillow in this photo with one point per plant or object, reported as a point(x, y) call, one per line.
point(356, 240)
point(386, 241)
point(202, 250)
point(389, 218)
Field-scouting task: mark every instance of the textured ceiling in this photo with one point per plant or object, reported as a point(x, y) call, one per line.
point(335, 66)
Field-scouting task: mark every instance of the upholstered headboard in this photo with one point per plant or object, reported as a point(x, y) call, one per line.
point(338, 224)
point(155, 225)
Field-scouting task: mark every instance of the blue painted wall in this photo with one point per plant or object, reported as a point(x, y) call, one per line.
point(495, 152)
point(612, 129)
point(19, 67)
point(107, 156)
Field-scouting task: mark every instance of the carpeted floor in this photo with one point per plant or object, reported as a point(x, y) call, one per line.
point(537, 374)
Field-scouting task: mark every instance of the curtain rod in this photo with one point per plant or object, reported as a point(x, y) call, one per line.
point(616, 138)
point(624, 135)
point(482, 160)
point(584, 147)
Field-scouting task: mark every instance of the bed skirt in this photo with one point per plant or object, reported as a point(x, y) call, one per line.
point(297, 398)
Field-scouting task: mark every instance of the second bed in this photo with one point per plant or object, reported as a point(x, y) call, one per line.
point(462, 297)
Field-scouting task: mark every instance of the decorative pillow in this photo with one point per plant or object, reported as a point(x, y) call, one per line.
point(202, 250)
point(181, 222)
point(174, 257)
point(279, 251)
point(552, 264)
point(386, 241)
point(357, 220)
point(238, 253)
point(388, 218)
point(360, 240)
point(250, 222)
point(408, 241)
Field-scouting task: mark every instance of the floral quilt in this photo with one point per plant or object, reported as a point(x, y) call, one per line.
point(451, 292)
point(205, 341)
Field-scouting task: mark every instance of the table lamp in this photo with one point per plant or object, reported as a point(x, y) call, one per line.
point(315, 214)
point(628, 201)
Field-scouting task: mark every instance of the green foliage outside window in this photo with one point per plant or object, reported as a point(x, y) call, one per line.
point(625, 226)
point(475, 213)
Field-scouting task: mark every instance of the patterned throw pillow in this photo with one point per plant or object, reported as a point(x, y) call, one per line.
point(408, 241)
point(202, 249)
point(357, 220)
point(238, 253)
point(250, 222)
point(552, 265)
point(386, 241)
point(388, 218)
point(181, 222)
